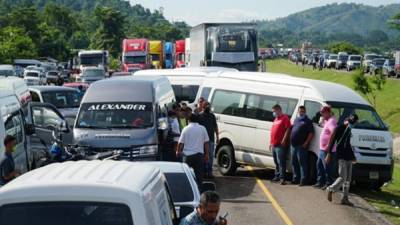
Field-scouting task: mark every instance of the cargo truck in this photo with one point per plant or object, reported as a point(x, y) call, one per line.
point(90, 58)
point(179, 53)
point(135, 55)
point(232, 45)
point(169, 49)
point(157, 54)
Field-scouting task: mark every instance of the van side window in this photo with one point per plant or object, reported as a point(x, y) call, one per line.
point(14, 127)
point(288, 106)
point(35, 96)
point(313, 109)
point(252, 106)
point(205, 92)
point(228, 103)
point(46, 118)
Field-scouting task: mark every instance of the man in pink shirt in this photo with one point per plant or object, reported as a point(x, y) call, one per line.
point(325, 170)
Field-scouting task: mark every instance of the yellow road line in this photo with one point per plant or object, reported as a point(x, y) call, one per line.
point(271, 198)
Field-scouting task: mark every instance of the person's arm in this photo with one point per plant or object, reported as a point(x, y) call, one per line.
point(308, 140)
point(11, 175)
point(285, 141)
point(217, 135)
point(206, 150)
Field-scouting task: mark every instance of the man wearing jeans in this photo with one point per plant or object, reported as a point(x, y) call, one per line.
point(345, 155)
point(193, 143)
point(279, 132)
point(325, 170)
point(208, 120)
point(301, 136)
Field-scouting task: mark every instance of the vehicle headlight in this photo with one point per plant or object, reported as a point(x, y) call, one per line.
point(148, 150)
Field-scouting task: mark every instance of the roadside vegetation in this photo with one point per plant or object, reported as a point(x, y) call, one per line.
point(387, 100)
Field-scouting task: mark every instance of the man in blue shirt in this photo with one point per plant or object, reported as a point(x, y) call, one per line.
point(207, 212)
point(7, 165)
point(301, 137)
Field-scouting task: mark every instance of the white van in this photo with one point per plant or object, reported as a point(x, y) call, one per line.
point(186, 81)
point(18, 87)
point(89, 192)
point(242, 103)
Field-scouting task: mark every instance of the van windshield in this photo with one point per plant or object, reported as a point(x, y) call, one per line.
point(32, 74)
point(66, 213)
point(107, 115)
point(7, 73)
point(185, 92)
point(368, 118)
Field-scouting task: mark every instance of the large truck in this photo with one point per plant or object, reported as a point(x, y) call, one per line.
point(135, 55)
point(232, 45)
point(157, 54)
point(98, 58)
point(179, 53)
point(169, 49)
point(397, 64)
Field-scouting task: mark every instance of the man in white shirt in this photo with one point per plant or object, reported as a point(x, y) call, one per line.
point(193, 143)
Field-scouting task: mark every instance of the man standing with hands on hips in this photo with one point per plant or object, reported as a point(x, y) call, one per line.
point(278, 142)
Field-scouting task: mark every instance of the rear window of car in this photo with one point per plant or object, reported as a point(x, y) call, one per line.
point(180, 187)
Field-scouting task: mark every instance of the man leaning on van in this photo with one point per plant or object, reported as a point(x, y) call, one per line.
point(278, 142)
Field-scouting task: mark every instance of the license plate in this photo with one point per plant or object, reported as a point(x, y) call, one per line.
point(374, 175)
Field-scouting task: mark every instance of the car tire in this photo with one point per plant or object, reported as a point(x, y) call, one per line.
point(226, 160)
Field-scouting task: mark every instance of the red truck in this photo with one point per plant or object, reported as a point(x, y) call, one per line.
point(135, 55)
point(180, 53)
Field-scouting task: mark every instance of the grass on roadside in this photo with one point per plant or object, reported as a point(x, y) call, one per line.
point(383, 199)
point(388, 101)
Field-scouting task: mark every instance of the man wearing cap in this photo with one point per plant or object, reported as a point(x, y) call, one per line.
point(345, 155)
point(324, 169)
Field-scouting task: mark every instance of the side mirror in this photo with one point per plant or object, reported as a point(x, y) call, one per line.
point(29, 129)
point(63, 127)
point(208, 186)
point(163, 123)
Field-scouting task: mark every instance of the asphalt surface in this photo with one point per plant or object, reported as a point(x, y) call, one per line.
point(249, 201)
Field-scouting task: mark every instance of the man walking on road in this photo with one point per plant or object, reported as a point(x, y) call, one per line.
point(301, 136)
point(7, 165)
point(208, 120)
point(345, 155)
point(194, 144)
point(278, 145)
point(325, 170)
point(207, 212)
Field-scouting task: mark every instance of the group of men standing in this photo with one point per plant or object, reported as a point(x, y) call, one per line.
point(334, 143)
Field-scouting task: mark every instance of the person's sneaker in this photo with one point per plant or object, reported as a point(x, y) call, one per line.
point(346, 202)
point(317, 185)
point(295, 182)
point(283, 182)
point(276, 179)
point(330, 192)
point(324, 187)
point(302, 184)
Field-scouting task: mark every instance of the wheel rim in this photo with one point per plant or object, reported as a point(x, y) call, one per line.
point(224, 161)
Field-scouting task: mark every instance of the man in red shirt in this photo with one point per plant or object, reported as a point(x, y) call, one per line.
point(279, 134)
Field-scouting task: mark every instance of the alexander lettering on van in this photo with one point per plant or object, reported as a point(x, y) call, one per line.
point(133, 107)
point(371, 138)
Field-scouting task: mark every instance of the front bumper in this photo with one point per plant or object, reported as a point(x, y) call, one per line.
point(372, 172)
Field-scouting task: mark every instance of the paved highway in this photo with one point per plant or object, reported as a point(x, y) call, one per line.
point(251, 198)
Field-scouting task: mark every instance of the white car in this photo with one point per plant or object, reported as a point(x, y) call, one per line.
point(34, 77)
point(89, 192)
point(331, 61)
point(353, 62)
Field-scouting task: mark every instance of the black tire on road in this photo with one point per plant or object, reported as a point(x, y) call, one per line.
point(226, 160)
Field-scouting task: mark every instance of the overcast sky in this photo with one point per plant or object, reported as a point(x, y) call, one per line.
point(198, 11)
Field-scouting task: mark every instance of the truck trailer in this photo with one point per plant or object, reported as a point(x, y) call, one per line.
point(135, 55)
point(179, 53)
point(157, 54)
point(232, 45)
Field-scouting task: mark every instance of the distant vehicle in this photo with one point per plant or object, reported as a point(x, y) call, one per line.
point(232, 45)
point(397, 64)
point(331, 61)
point(126, 113)
point(353, 62)
point(21, 64)
point(368, 60)
point(135, 55)
point(341, 62)
point(121, 74)
point(376, 65)
point(242, 103)
point(7, 70)
point(388, 68)
point(169, 49)
point(54, 77)
point(91, 74)
point(180, 53)
point(157, 54)
point(91, 193)
point(34, 77)
point(78, 86)
point(93, 58)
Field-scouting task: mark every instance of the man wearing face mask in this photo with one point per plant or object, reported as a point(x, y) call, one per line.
point(7, 165)
point(301, 137)
point(345, 155)
point(278, 142)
